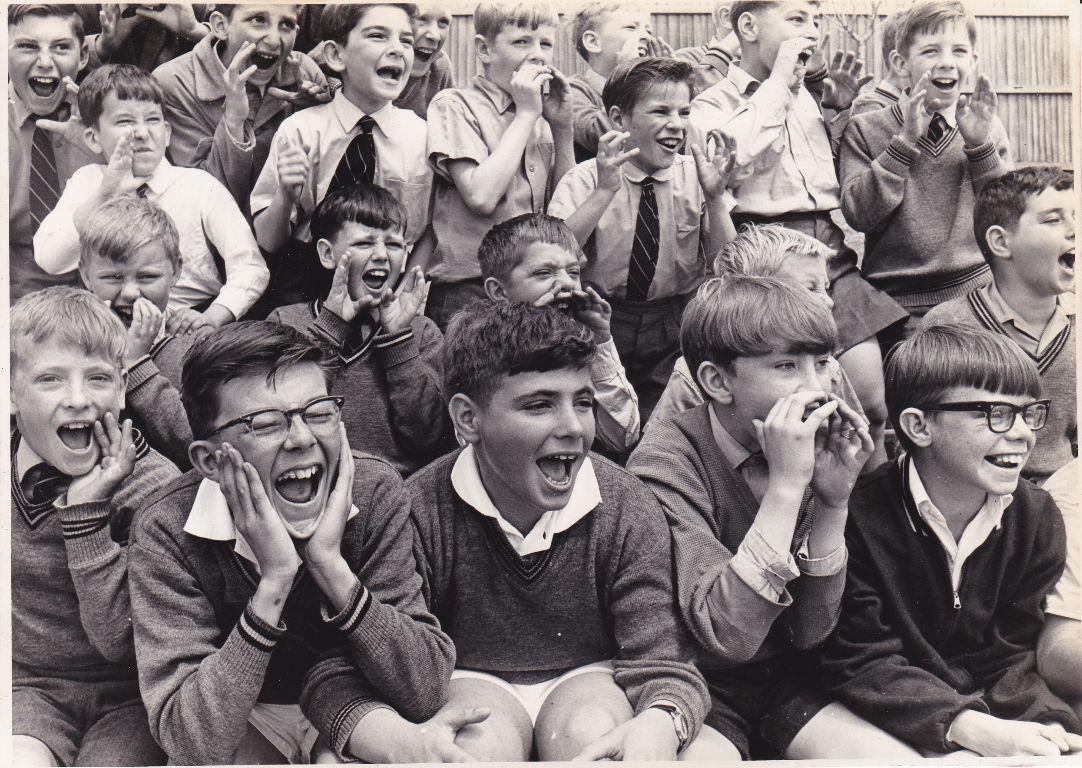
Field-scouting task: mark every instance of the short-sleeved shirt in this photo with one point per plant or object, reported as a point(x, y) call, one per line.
point(682, 263)
point(1066, 599)
point(468, 124)
point(327, 130)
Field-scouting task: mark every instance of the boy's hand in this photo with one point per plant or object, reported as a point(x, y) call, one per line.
point(308, 93)
point(917, 118)
point(656, 46)
point(610, 158)
point(338, 299)
point(840, 456)
point(325, 545)
point(714, 162)
point(975, 113)
point(398, 309)
point(146, 321)
point(526, 85)
point(187, 320)
point(991, 736)
point(237, 75)
point(294, 168)
point(843, 81)
point(594, 312)
point(434, 740)
point(649, 735)
point(788, 439)
point(117, 178)
point(255, 517)
point(116, 460)
point(556, 105)
point(115, 28)
point(72, 130)
point(792, 62)
point(178, 18)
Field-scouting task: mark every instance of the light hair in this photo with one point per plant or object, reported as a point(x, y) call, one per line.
point(763, 249)
point(931, 16)
point(491, 18)
point(121, 226)
point(67, 315)
point(588, 19)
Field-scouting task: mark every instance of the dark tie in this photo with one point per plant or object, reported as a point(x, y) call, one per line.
point(142, 190)
point(937, 129)
point(644, 250)
point(44, 180)
point(359, 161)
point(43, 483)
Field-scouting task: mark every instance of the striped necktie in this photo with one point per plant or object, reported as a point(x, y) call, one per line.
point(937, 129)
point(43, 483)
point(359, 162)
point(44, 179)
point(644, 250)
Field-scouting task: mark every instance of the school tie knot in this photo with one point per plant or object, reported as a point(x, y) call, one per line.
point(937, 129)
point(43, 483)
point(366, 124)
point(142, 190)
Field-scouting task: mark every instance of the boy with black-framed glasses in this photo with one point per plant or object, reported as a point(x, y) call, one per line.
point(951, 557)
point(255, 566)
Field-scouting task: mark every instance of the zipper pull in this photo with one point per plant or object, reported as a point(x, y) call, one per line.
point(957, 601)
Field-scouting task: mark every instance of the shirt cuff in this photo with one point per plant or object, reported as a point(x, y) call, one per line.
point(245, 144)
point(764, 570)
point(828, 565)
point(606, 364)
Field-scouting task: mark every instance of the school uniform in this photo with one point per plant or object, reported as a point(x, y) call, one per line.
point(756, 613)
point(931, 626)
point(468, 124)
point(711, 62)
point(1051, 348)
point(591, 120)
point(222, 264)
point(193, 85)
point(419, 91)
point(883, 95)
point(784, 174)
point(74, 685)
point(209, 666)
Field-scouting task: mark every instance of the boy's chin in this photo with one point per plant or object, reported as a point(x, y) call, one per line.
point(301, 526)
point(70, 462)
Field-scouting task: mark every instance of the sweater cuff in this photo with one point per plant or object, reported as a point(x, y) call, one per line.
point(983, 158)
point(346, 721)
point(331, 327)
point(397, 348)
point(899, 155)
point(142, 372)
point(86, 530)
point(257, 632)
point(346, 620)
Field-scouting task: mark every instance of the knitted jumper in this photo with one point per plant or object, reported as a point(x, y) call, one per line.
point(711, 509)
point(70, 615)
point(603, 590)
point(205, 659)
point(915, 203)
point(1056, 365)
point(393, 385)
point(152, 400)
point(903, 655)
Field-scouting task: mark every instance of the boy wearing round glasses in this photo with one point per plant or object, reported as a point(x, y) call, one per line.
point(950, 559)
point(256, 568)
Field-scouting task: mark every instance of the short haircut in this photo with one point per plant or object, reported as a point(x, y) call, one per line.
point(931, 16)
point(762, 250)
point(589, 18)
point(246, 348)
point(629, 81)
point(504, 245)
point(21, 11)
point(889, 31)
point(67, 315)
point(1001, 201)
point(740, 7)
point(368, 204)
point(749, 316)
point(127, 81)
point(491, 339)
point(339, 19)
point(491, 18)
point(938, 358)
point(122, 225)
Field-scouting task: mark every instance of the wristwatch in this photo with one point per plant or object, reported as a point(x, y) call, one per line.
point(680, 724)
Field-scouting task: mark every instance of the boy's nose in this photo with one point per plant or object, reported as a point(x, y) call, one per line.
point(299, 434)
point(570, 423)
point(130, 291)
point(76, 395)
point(45, 59)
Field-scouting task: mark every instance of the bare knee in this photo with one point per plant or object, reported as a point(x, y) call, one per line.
point(710, 746)
point(27, 750)
point(566, 732)
point(506, 735)
point(835, 732)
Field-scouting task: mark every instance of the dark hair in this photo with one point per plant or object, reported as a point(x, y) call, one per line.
point(889, 31)
point(122, 225)
point(490, 339)
point(490, 18)
point(931, 16)
point(246, 348)
point(750, 316)
point(1001, 201)
point(740, 7)
point(628, 82)
point(939, 358)
point(17, 12)
point(585, 20)
point(504, 245)
point(368, 204)
point(339, 19)
point(127, 81)
point(227, 9)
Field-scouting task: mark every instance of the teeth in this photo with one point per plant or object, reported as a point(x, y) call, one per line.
point(77, 425)
point(298, 474)
point(1008, 460)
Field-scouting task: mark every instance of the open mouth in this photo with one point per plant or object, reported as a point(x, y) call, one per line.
point(263, 61)
point(1011, 461)
point(671, 143)
point(75, 435)
point(423, 54)
point(375, 278)
point(299, 485)
point(44, 86)
point(1066, 260)
point(125, 314)
point(392, 73)
point(803, 57)
point(558, 469)
point(944, 83)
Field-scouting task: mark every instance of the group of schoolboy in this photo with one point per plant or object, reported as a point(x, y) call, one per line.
point(531, 459)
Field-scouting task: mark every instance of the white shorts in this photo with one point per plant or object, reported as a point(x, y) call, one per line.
point(286, 728)
point(532, 697)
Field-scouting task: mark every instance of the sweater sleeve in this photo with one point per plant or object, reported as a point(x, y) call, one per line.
point(413, 365)
point(158, 404)
point(590, 122)
point(198, 686)
point(991, 159)
point(873, 184)
point(394, 652)
point(867, 669)
point(817, 599)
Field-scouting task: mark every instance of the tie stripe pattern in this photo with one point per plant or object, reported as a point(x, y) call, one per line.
point(359, 162)
point(44, 179)
point(937, 129)
point(645, 248)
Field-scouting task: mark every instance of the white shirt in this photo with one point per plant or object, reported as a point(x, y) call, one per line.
point(207, 220)
point(327, 129)
point(1066, 598)
point(585, 496)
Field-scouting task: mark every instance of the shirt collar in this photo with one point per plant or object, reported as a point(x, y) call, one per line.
point(500, 98)
point(211, 519)
point(1004, 313)
point(731, 449)
point(991, 511)
point(19, 111)
point(635, 175)
point(585, 496)
point(163, 177)
point(741, 79)
point(890, 88)
point(349, 114)
point(26, 458)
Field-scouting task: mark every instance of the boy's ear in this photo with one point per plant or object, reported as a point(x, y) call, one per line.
point(715, 382)
point(722, 17)
point(177, 270)
point(746, 27)
point(494, 289)
point(480, 45)
point(914, 423)
point(465, 415)
point(90, 136)
point(201, 454)
point(998, 240)
point(590, 42)
point(218, 25)
point(332, 55)
point(84, 56)
point(325, 252)
point(899, 64)
point(616, 117)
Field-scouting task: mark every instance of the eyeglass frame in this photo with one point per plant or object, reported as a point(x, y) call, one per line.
point(986, 406)
point(247, 418)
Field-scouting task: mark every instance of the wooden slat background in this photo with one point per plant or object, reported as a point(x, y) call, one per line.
point(1024, 51)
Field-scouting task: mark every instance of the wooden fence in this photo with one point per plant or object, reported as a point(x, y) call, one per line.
point(1023, 48)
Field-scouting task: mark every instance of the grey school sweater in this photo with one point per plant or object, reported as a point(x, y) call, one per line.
point(602, 591)
point(1056, 365)
point(393, 386)
point(70, 616)
point(205, 659)
point(153, 398)
point(915, 203)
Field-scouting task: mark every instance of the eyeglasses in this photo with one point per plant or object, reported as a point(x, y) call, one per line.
point(321, 415)
point(1001, 415)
